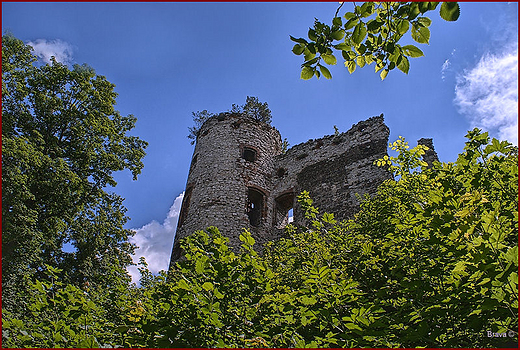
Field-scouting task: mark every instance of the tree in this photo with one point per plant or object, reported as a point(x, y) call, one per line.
point(253, 109)
point(199, 118)
point(257, 110)
point(62, 140)
point(370, 34)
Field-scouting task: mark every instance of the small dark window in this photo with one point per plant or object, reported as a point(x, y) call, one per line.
point(249, 154)
point(255, 204)
point(281, 172)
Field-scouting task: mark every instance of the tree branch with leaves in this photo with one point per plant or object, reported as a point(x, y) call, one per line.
point(370, 34)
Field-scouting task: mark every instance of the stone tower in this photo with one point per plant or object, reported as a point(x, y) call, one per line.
point(230, 179)
point(239, 178)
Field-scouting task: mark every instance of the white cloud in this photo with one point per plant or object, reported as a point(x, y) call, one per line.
point(44, 49)
point(487, 94)
point(444, 68)
point(155, 241)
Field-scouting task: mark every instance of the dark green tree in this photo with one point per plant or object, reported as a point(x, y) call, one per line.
point(257, 110)
point(62, 140)
point(370, 34)
point(199, 118)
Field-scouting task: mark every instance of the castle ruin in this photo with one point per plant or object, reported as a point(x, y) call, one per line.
point(239, 177)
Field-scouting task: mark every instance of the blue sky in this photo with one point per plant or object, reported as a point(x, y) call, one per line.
point(168, 60)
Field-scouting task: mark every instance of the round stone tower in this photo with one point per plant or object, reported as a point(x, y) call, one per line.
point(230, 180)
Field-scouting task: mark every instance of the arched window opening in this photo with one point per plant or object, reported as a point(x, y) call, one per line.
point(249, 154)
point(255, 205)
point(283, 212)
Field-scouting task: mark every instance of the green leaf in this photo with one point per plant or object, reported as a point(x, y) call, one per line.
point(336, 21)
point(199, 266)
point(367, 9)
point(351, 66)
point(246, 236)
point(403, 64)
point(420, 34)
point(207, 286)
point(403, 26)
point(359, 33)
point(450, 11)
point(298, 40)
point(325, 72)
point(307, 73)
point(412, 51)
point(342, 47)
point(351, 23)
point(424, 21)
point(383, 74)
point(308, 300)
point(349, 15)
point(308, 55)
point(298, 49)
point(338, 35)
point(312, 34)
point(329, 59)
point(413, 11)
point(360, 60)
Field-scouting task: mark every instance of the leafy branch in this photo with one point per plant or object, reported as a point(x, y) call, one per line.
point(370, 34)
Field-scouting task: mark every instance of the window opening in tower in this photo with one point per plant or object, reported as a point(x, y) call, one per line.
point(255, 204)
point(249, 154)
point(283, 210)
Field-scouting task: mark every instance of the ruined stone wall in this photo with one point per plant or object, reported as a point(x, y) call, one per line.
point(232, 161)
point(334, 168)
point(239, 178)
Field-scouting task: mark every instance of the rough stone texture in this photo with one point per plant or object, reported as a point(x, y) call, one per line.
point(255, 190)
point(430, 155)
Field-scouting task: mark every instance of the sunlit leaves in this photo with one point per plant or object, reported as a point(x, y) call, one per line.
point(325, 72)
point(412, 51)
point(420, 33)
point(372, 32)
point(329, 59)
point(307, 73)
point(450, 11)
point(359, 33)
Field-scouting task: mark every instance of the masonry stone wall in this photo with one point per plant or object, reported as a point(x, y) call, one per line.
point(221, 180)
point(239, 178)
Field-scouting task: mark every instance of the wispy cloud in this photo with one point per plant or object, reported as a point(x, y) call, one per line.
point(444, 68)
point(487, 94)
point(155, 241)
point(44, 49)
point(446, 65)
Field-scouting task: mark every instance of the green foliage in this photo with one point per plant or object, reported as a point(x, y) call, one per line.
point(253, 109)
point(256, 110)
point(370, 34)
point(285, 145)
point(62, 140)
point(199, 118)
point(431, 260)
